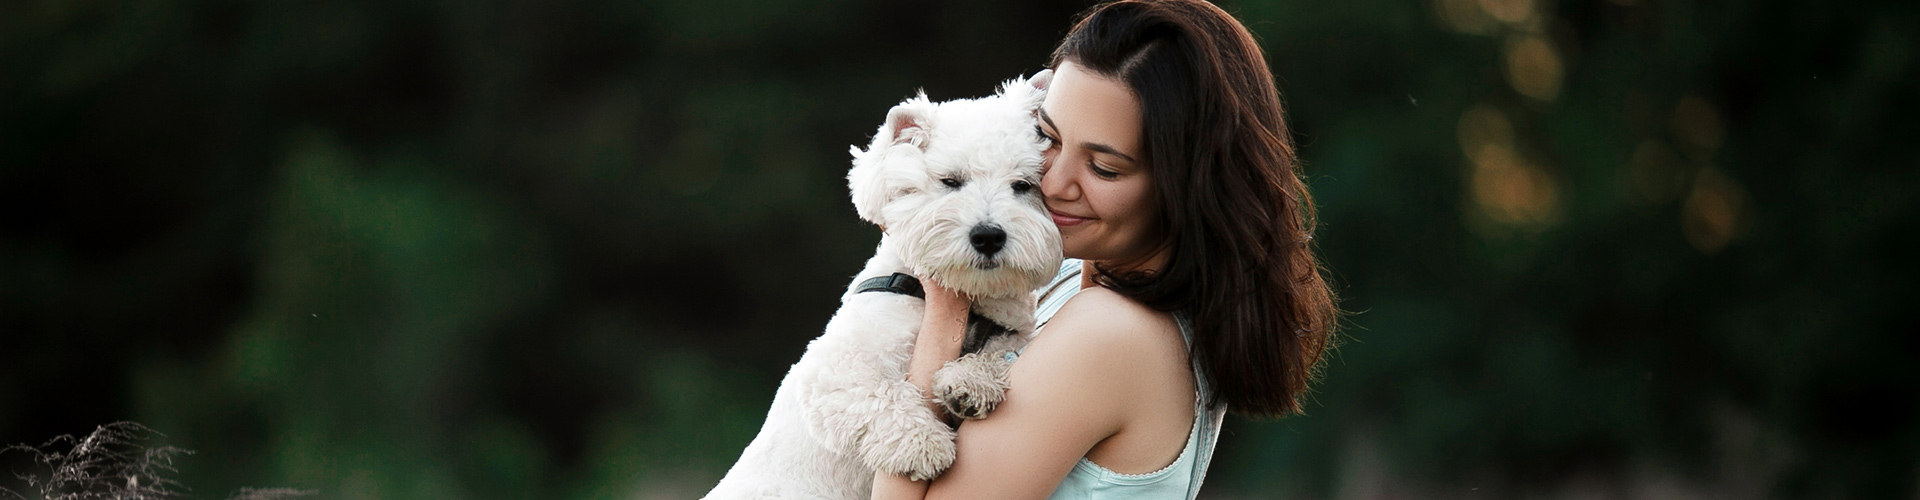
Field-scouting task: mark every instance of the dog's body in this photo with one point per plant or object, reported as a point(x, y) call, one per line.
point(956, 187)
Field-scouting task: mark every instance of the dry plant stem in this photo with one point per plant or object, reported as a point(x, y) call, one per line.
point(111, 463)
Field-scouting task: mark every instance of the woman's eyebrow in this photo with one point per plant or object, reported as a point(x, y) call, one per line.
point(1103, 148)
point(1109, 150)
point(1048, 119)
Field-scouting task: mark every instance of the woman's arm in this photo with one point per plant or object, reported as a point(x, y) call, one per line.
point(942, 331)
point(1070, 391)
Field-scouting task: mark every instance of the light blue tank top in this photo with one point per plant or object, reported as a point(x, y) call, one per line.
point(1178, 480)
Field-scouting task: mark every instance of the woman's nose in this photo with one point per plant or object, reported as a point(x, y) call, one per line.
point(1057, 180)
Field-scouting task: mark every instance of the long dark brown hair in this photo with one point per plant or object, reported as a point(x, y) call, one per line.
point(1238, 219)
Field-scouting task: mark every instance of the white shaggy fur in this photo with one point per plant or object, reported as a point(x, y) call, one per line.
point(934, 173)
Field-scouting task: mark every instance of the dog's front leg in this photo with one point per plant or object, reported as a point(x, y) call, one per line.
point(906, 438)
point(860, 403)
point(971, 386)
point(883, 420)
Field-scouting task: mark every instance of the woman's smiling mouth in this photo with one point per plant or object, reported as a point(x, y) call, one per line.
point(1064, 220)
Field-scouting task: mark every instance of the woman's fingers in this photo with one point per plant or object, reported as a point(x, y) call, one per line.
point(944, 301)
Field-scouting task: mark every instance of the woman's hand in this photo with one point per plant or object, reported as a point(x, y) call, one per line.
point(942, 330)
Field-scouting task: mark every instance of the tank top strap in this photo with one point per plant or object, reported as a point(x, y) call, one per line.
point(1065, 285)
point(1207, 418)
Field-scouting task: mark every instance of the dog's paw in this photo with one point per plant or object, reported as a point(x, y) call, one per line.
point(908, 440)
point(972, 386)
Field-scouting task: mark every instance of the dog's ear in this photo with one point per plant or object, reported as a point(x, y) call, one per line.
point(868, 184)
point(870, 180)
point(1028, 92)
point(1041, 80)
point(907, 123)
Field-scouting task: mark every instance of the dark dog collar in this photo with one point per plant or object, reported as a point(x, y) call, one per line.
point(900, 283)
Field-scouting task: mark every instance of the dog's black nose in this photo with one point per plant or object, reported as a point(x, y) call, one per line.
point(988, 239)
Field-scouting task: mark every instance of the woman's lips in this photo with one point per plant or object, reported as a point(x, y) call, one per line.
point(1064, 220)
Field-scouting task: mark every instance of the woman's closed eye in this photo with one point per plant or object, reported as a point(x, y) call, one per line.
point(1103, 172)
point(1052, 143)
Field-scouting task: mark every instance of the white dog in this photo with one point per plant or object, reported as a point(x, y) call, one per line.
point(955, 187)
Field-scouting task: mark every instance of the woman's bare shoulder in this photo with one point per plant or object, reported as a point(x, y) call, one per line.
point(1103, 310)
point(1110, 329)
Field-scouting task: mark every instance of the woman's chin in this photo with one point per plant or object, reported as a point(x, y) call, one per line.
point(1069, 250)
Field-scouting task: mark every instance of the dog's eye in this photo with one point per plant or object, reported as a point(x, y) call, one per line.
point(951, 182)
point(1022, 186)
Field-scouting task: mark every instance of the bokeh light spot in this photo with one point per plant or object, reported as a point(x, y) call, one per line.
point(1697, 126)
point(1508, 11)
point(1533, 68)
point(1464, 16)
point(1506, 188)
point(1482, 125)
point(1713, 211)
point(1511, 191)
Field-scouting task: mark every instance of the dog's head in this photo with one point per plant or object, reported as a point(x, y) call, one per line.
point(957, 184)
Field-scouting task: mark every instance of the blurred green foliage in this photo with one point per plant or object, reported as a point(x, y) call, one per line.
point(566, 249)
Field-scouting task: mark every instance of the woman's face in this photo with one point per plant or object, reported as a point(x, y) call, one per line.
point(1096, 181)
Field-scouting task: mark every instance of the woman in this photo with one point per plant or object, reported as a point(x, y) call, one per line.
point(1172, 177)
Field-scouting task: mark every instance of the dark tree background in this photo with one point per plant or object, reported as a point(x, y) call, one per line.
point(565, 249)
